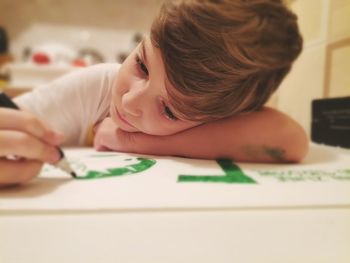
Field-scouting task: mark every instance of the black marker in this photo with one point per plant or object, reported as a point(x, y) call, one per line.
point(6, 102)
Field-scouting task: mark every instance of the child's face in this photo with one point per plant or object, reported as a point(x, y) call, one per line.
point(139, 98)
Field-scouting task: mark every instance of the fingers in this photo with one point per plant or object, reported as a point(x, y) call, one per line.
point(101, 148)
point(28, 123)
point(111, 138)
point(25, 145)
point(105, 135)
point(18, 171)
point(25, 136)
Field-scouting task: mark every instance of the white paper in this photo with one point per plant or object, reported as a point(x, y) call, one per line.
point(323, 179)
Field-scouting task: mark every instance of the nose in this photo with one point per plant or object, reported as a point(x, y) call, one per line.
point(132, 101)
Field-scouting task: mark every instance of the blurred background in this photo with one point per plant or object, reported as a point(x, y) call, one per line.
point(42, 39)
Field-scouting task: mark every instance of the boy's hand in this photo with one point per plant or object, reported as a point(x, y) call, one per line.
point(109, 137)
point(25, 144)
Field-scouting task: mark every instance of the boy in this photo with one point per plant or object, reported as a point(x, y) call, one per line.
point(195, 88)
point(220, 59)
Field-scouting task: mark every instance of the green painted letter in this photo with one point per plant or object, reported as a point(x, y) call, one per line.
point(233, 174)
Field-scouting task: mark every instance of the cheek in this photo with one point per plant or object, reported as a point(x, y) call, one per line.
point(180, 128)
point(185, 126)
point(122, 84)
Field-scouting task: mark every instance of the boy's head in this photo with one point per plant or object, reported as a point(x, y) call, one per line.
point(224, 57)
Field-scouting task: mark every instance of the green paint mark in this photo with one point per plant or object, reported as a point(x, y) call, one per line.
point(258, 152)
point(233, 174)
point(141, 166)
point(307, 175)
point(275, 153)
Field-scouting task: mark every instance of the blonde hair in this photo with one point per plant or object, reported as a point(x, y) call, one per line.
point(224, 57)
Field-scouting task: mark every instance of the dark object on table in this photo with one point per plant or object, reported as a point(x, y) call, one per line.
point(331, 121)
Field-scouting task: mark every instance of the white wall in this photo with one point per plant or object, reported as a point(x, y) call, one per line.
point(323, 68)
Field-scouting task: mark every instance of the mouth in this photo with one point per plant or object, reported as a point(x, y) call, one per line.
point(123, 119)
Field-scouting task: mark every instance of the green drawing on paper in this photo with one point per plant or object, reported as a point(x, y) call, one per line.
point(275, 153)
point(233, 174)
point(307, 175)
point(116, 169)
point(111, 164)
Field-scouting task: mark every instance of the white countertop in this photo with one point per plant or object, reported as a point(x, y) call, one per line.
point(291, 213)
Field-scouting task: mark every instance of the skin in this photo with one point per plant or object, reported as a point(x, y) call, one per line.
point(142, 124)
point(25, 144)
point(139, 98)
point(143, 121)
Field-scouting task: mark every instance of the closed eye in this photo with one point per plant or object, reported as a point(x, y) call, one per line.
point(141, 65)
point(168, 113)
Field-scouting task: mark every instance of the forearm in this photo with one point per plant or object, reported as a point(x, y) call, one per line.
point(265, 136)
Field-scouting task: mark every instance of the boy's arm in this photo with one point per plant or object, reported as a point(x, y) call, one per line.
point(264, 136)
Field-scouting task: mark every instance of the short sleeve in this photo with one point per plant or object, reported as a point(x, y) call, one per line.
point(74, 102)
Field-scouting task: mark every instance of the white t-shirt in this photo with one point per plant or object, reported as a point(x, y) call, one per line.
point(74, 103)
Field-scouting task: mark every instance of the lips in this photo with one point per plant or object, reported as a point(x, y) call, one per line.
point(122, 119)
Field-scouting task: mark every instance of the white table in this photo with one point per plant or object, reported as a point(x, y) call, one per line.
point(152, 217)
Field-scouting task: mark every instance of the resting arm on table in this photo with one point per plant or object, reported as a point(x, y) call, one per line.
point(263, 136)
